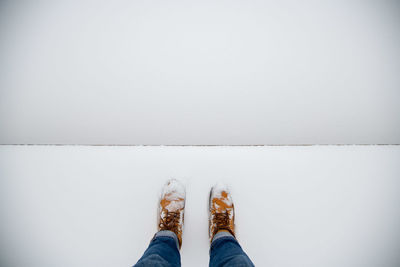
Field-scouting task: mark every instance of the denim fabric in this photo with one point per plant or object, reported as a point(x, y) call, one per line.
point(163, 251)
point(226, 251)
point(170, 234)
point(221, 234)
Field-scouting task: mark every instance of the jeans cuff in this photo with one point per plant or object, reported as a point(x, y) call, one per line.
point(167, 233)
point(220, 240)
point(221, 234)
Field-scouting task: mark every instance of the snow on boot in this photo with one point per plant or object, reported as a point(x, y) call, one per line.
point(221, 211)
point(171, 209)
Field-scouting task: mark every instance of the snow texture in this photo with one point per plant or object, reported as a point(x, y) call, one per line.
point(217, 189)
point(174, 190)
point(79, 206)
point(199, 72)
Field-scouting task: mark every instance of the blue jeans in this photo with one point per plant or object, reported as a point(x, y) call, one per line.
point(164, 251)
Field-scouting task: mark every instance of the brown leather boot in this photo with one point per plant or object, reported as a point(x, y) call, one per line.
point(222, 213)
point(172, 207)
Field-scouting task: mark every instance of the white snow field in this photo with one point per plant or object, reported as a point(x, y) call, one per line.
point(228, 72)
point(80, 206)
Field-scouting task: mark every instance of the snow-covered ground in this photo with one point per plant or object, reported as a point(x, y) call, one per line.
point(200, 72)
point(296, 206)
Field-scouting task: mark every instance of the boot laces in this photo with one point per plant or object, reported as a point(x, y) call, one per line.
point(170, 221)
point(222, 220)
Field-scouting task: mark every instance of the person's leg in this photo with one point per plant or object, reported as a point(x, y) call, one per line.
point(164, 247)
point(224, 250)
point(162, 251)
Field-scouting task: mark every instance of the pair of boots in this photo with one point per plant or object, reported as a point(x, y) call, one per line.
point(172, 207)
